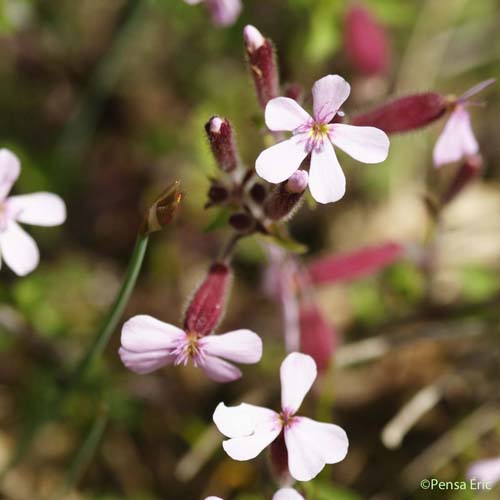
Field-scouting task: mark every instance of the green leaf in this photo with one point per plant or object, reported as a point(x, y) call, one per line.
point(219, 220)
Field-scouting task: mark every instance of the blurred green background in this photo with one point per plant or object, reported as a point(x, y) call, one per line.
point(105, 103)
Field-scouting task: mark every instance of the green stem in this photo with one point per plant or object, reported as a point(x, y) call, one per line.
point(93, 352)
point(84, 455)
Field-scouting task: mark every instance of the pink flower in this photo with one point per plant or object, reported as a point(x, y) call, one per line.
point(148, 344)
point(457, 140)
point(223, 12)
point(283, 494)
point(17, 248)
point(316, 137)
point(310, 444)
point(487, 471)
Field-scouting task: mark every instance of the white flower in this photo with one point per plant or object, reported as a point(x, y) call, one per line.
point(17, 248)
point(316, 136)
point(486, 471)
point(223, 12)
point(310, 444)
point(283, 494)
point(148, 344)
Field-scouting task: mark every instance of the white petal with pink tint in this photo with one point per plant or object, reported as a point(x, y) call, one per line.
point(144, 333)
point(287, 494)
point(326, 178)
point(329, 93)
point(10, 167)
point(311, 445)
point(249, 447)
point(241, 346)
point(298, 373)
point(277, 163)
point(145, 362)
point(193, 2)
point(219, 370)
point(19, 250)
point(487, 470)
point(456, 140)
point(283, 113)
point(365, 144)
point(39, 209)
point(213, 498)
point(241, 420)
point(224, 12)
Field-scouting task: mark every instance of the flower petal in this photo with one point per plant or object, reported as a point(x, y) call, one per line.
point(456, 140)
point(329, 93)
point(19, 249)
point(10, 168)
point(145, 362)
point(224, 12)
point(283, 113)
point(298, 373)
point(287, 494)
point(277, 163)
point(326, 179)
point(241, 346)
point(311, 445)
point(219, 370)
point(40, 209)
point(213, 498)
point(144, 333)
point(365, 144)
point(241, 420)
point(487, 471)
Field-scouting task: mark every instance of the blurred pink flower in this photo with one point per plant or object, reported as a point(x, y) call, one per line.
point(148, 344)
point(283, 494)
point(17, 248)
point(310, 444)
point(316, 136)
point(457, 140)
point(223, 12)
point(487, 471)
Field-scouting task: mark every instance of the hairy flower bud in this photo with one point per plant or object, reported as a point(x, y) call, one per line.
point(294, 91)
point(262, 64)
point(206, 307)
point(366, 43)
point(349, 266)
point(286, 196)
point(258, 192)
point(220, 135)
point(404, 114)
point(217, 194)
point(317, 338)
point(467, 172)
point(162, 211)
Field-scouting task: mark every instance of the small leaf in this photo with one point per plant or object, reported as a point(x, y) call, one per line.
point(220, 219)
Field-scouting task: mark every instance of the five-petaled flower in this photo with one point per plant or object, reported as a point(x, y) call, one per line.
point(148, 344)
point(17, 248)
point(283, 494)
point(223, 12)
point(316, 136)
point(310, 444)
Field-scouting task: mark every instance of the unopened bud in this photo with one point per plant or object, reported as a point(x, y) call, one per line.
point(286, 196)
point(207, 305)
point(242, 222)
point(217, 194)
point(366, 43)
point(163, 210)
point(262, 63)
point(467, 172)
point(317, 338)
point(220, 135)
point(258, 192)
point(353, 265)
point(408, 113)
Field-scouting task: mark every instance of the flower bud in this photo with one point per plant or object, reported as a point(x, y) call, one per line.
point(294, 91)
point(217, 194)
point(242, 222)
point(286, 196)
point(262, 63)
point(317, 338)
point(163, 210)
point(220, 135)
point(366, 43)
point(408, 113)
point(206, 307)
point(467, 172)
point(258, 192)
point(347, 267)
